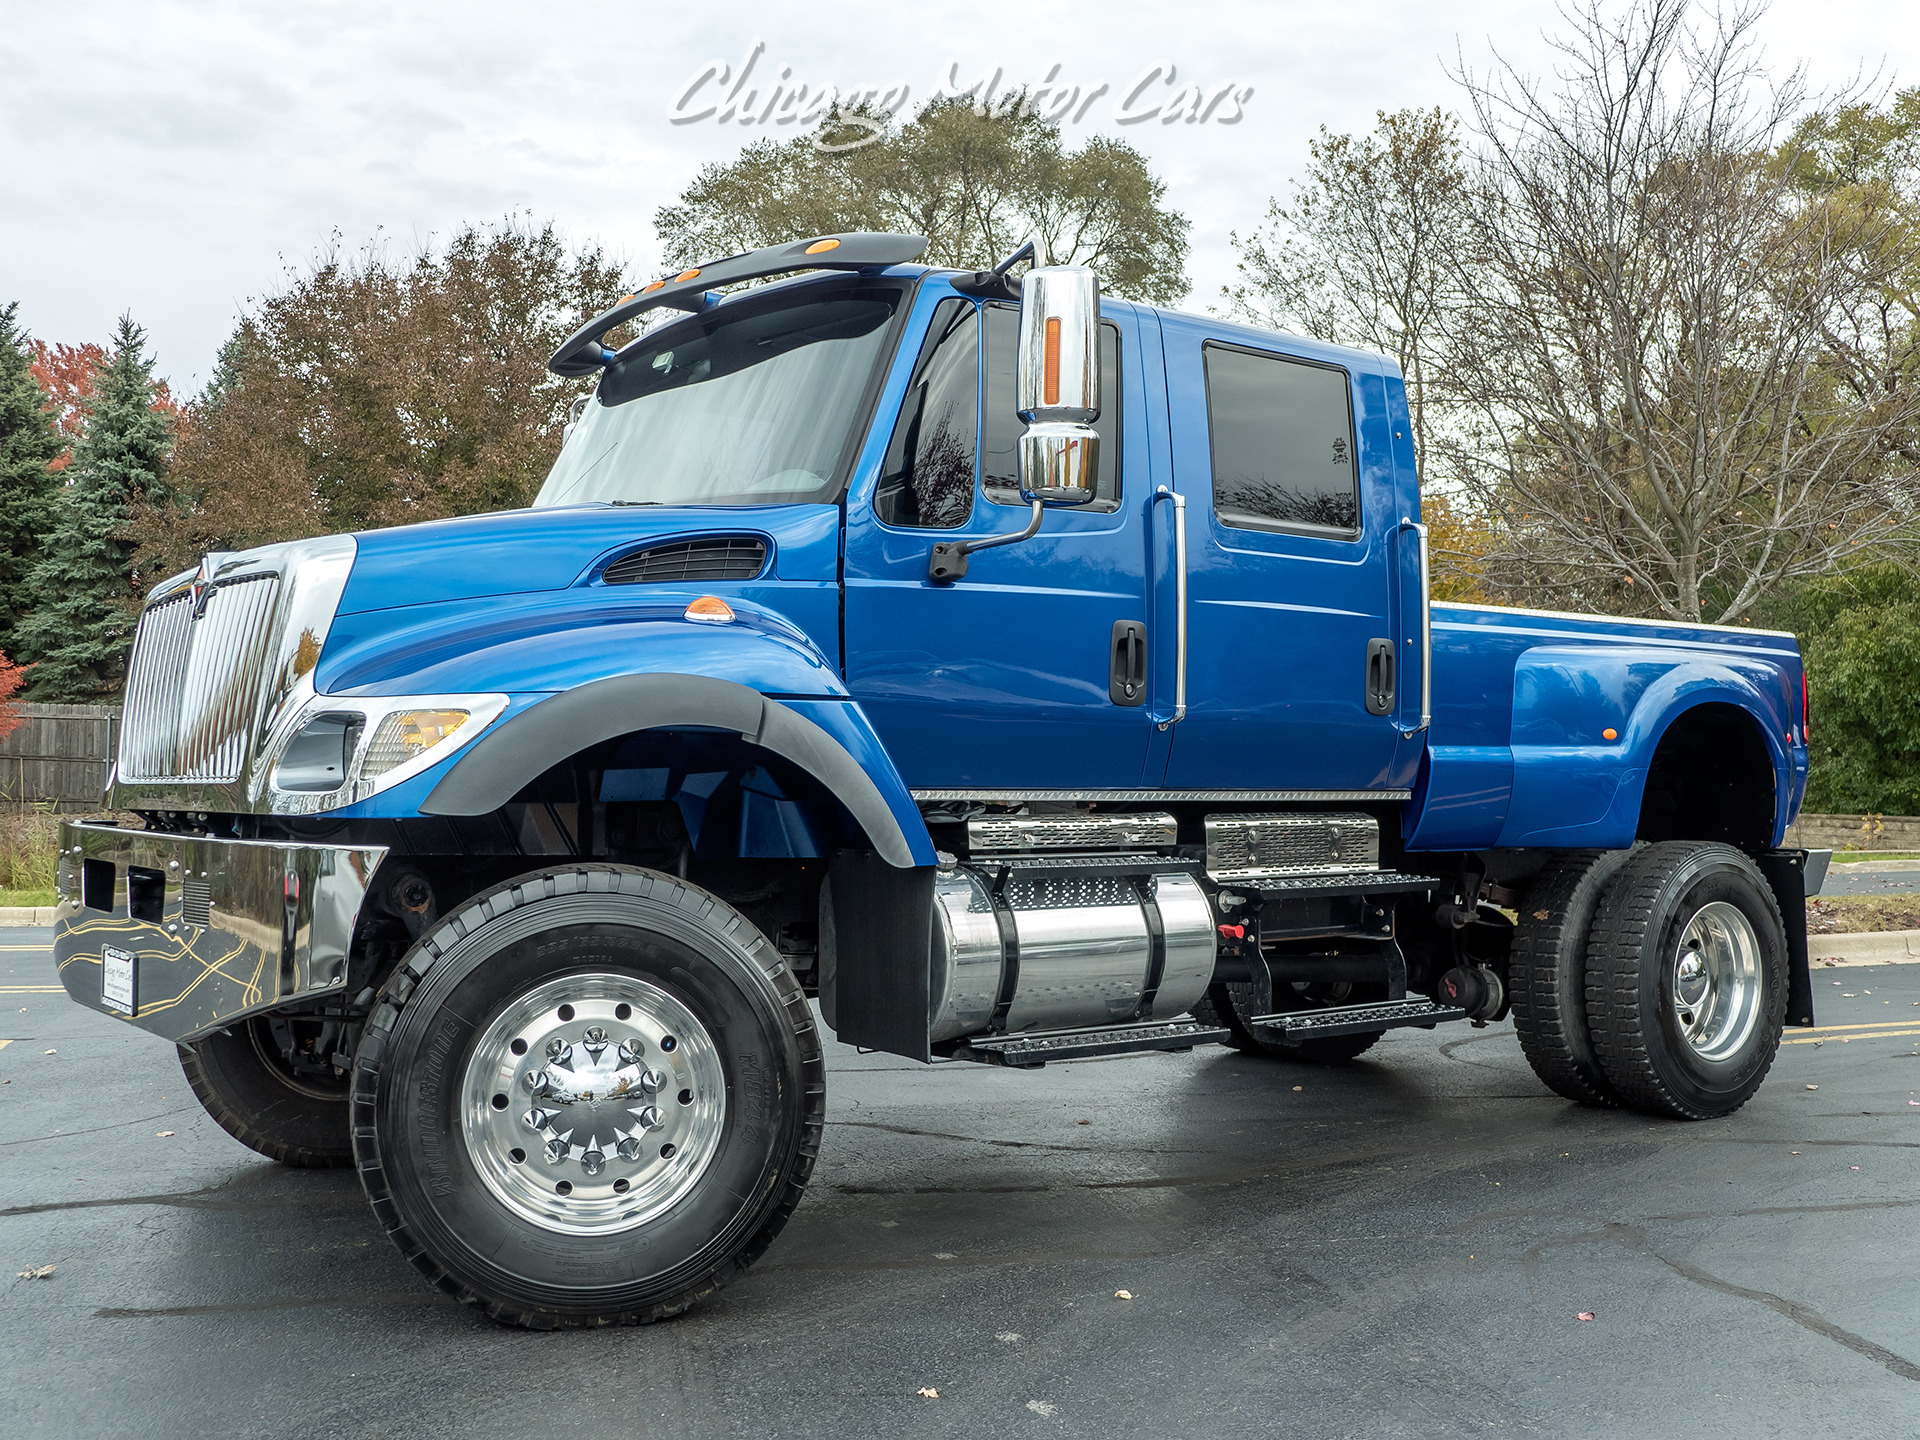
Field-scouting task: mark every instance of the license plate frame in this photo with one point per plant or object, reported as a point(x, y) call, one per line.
point(120, 980)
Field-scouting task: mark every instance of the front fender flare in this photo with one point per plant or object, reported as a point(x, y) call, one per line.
point(505, 760)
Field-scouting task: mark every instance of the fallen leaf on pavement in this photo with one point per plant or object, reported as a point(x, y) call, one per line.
point(1813, 1087)
point(928, 1392)
point(52, 1052)
point(1540, 915)
point(1853, 1167)
point(1041, 1408)
point(1584, 1315)
point(1299, 1087)
point(36, 1272)
point(1128, 1294)
point(164, 1134)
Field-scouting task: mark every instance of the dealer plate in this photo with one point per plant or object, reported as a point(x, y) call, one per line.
point(119, 971)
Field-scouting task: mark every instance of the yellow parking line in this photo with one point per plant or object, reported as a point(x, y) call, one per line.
point(1872, 1024)
point(31, 990)
point(1872, 1035)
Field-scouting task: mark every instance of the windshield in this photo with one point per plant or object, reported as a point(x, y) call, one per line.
point(749, 404)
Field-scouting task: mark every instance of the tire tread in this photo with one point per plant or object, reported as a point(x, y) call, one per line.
point(366, 1074)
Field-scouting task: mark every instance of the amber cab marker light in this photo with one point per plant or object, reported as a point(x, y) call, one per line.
point(710, 608)
point(1609, 734)
point(686, 275)
point(820, 247)
point(1051, 391)
point(649, 289)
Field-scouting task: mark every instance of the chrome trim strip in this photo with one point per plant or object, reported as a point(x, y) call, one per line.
point(1616, 619)
point(1006, 797)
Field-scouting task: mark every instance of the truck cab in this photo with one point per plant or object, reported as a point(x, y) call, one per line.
point(987, 671)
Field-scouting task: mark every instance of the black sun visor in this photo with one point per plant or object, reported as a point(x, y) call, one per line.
point(583, 354)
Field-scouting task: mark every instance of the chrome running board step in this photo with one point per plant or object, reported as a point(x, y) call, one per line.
point(1351, 882)
point(1030, 1052)
point(1292, 1026)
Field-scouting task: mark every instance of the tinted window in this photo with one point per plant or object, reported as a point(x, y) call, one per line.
point(1000, 432)
point(748, 404)
point(1282, 434)
point(928, 475)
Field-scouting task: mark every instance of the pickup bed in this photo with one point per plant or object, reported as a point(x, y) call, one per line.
point(986, 671)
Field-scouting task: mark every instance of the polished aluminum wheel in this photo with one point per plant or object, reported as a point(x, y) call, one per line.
point(592, 1103)
point(1715, 980)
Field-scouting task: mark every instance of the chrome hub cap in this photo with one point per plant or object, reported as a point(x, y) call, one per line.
point(1715, 981)
point(592, 1103)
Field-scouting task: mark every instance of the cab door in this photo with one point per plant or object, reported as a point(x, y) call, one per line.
point(1016, 675)
point(1290, 530)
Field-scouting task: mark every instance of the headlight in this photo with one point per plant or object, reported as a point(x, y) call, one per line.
point(344, 749)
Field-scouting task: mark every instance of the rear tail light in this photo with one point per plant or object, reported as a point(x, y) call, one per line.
point(1806, 707)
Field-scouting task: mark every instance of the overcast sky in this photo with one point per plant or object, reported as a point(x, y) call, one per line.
point(170, 159)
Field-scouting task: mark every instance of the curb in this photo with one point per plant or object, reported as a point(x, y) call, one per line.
point(27, 914)
point(1886, 947)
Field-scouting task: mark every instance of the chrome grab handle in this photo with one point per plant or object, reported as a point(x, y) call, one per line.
point(1426, 629)
point(1179, 602)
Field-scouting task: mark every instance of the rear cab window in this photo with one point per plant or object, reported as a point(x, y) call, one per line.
point(1282, 442)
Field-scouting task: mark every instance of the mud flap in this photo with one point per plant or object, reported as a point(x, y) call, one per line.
point(875, 946)
point(1786, 872)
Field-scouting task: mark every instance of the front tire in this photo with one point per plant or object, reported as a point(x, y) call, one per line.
point(1687, 980)
point(663, 1091)
point(242, 1080)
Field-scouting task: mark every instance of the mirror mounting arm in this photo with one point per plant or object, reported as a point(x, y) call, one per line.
point(948, 562)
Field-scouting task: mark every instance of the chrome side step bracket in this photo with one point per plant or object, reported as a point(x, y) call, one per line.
point(1031, 1051)
point(1290, 1027)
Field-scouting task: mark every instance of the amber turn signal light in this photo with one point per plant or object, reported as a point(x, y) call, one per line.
point(710, 608)
point(1609, 734)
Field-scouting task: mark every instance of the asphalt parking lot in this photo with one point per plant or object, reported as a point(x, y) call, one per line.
point(1396, 1248)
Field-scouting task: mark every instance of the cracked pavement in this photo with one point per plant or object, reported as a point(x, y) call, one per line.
point(1396, 1248)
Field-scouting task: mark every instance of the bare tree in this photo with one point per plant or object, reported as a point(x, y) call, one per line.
point(1675, 377)
point(1364, 253)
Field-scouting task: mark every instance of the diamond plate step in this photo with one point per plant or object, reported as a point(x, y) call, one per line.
point(1030, 1052)
point(1294, 1026)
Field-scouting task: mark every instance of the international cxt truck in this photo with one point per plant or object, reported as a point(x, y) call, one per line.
point(990, 672)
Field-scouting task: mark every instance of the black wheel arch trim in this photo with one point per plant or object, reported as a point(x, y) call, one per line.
point(508, 757)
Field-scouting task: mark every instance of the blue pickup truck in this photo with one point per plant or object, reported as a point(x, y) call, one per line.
point(991, 672)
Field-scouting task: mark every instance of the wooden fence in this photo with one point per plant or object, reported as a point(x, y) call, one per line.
point(58, 757)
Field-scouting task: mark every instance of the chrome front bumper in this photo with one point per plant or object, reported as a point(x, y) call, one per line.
point(216, 930)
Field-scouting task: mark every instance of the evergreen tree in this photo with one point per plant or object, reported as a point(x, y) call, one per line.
point(29, 442)
point(84, 587)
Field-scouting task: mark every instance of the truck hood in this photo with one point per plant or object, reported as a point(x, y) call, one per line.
point(519, 552)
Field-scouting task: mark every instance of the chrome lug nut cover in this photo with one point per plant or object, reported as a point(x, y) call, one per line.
point(593, 1051)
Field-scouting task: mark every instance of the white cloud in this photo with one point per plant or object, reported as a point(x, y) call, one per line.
point(165, 157)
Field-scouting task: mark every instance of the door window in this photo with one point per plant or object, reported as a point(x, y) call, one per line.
point(927, 478)
point(1282, 438)
point(1002, 426)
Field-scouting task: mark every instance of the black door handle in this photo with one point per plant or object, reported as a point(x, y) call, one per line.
point(1127, 672)
point(1381, 661)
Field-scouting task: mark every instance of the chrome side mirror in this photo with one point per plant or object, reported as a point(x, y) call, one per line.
point(1058, 394)
point(1058, 386)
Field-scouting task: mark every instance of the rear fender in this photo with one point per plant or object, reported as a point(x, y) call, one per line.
point(1573, 787)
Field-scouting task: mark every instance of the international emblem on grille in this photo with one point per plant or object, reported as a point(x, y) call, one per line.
point(202, 588)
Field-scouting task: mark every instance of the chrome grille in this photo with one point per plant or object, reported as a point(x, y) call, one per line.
point(192, 684)
point(1251, 847)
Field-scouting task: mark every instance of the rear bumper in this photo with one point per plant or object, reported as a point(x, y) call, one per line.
point(216, 930)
